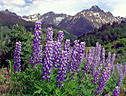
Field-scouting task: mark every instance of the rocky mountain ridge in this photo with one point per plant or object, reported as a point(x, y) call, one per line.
point(84, 21)
point(93, 17)
point(48, 18)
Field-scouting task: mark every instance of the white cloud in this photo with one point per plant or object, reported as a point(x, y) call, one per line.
point(70, 7)
point(13, 2)
point(118, 7)
point(120, 10)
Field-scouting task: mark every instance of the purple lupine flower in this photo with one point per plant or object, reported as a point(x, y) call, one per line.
point(103, 56)
point(112, 61)
point(113, 58)
point(88, 63)
point(118, 66)
point(56, 53)
point(37, 47)
point(93, 51)
point(97, 74)
point(38, 25)
point(80, 55)
point(76, 45)
point(96, 58)
point(17, 58)
point(124, 69)
point(60, 36)
point(108, 60)
point(76, 49)
point(120, 79)
point(81, 50)
point(67, 47)
point(48, 60)
point(99, 52)
point(73, 62)
point(114, 67)
point(103, 80)
point(62, 68)
point(116, 91)
point(49, 34)
point(86, 54)
point(40, 54)
point(74, 56)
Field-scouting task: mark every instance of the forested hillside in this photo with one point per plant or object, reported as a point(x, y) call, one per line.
point(106, 34)
point(112, 37)
point(8, 37)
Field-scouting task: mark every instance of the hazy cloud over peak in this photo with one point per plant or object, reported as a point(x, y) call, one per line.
point(70, 7)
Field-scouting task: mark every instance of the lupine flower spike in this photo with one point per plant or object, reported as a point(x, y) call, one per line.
point(17, 58)
point(62, 68)
point(103, 80)
point(48, 61)
point(37, 47)
point(116, 91)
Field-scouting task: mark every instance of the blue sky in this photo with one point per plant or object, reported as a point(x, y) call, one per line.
point(70, 7)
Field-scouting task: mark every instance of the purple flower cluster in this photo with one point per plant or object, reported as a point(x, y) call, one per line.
point(124, 69)
point(103, 57)
point(73, 62)
point(102, 62)
point(93, 51)
point(37, 47)
point(113, 58)
point(108, 60)
point(77, 55)
point(112, 62)
point(56, 53)
point(97, 74)
point(67, 48)
point(76, 45)
point(48, 60)
point(116, 91)
point(74, 56)
point(103, 80)
point(17, 58)
point(60, 36)
point(80, 55)
point(120, 79)
point(96, 59)
point(62, 68)
point(49, 34)
point(88, 63)
point(67, 45)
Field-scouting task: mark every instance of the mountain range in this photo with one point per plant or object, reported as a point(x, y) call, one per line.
point(84, 21)
point(10, 18)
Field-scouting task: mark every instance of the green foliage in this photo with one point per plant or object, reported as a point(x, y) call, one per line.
point(9, 37)
point(105, 35)
point(113, 37)
point(118, 47)
point(30, 82)
point(4, 30)
point(19, 34)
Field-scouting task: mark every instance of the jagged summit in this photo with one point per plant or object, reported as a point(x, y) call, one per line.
point(49, 18)
point(83, 21)
point(89, 18)
point(95, 8)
